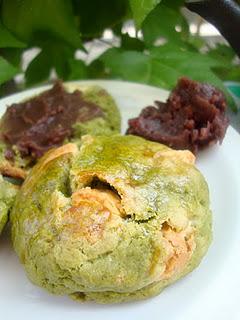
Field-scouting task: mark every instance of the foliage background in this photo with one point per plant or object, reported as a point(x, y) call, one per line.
point(160, 53)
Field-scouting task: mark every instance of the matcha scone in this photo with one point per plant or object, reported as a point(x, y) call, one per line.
point(8, 193)
point(56, 116)
point(117, 219)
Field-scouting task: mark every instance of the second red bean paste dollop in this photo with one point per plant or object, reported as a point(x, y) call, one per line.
point(193, 117)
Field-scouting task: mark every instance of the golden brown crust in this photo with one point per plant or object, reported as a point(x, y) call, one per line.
point(179, 247)
point(183, 155)
point(182, 245)
point(7, 169)
point(56, 153)
point(91, 211)
point(45, 161)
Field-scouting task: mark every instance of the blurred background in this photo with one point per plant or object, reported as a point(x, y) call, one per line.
point(197, 26)
point(147, 41)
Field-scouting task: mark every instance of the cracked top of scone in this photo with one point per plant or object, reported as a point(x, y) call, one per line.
point(111, 219)
point(61, 114)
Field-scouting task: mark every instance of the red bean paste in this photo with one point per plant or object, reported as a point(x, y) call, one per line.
point(192, 118)
point(45, 121)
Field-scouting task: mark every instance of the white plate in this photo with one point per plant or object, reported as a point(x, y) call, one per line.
point(210, 292)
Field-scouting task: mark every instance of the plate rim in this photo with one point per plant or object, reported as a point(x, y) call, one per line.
point(90, 81)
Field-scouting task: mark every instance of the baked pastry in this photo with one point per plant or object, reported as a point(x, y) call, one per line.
point(8, 193)
point(56, 116)
point(117, 219)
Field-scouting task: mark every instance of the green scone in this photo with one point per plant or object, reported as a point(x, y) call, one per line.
point(57, 116)
point(117, 219)
point(7, 195)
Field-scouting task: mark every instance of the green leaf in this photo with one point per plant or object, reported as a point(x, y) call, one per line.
point(127, 65)
point(95, 16)
point(228, 73)
point(8, 40)
point(129, 43)
point(162, 67)
point(194, 65)
point(174, 4)
point(54, 55)
point(162, 75)
point(162, 23)
point(223, 53)
point(233, 74)
point(228, 70)
point(96, 69)
point(60, 55)
point(26, 18)
point(78, 70)
point(7, 71)
point(117, 29)
point(181, 58)
point(39, 69)
point(140, 9)
point(195, 42)
point(12, 55)
point(139, 67)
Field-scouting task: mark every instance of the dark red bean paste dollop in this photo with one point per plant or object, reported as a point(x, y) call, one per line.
point(45, 121)
point(193, 117)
